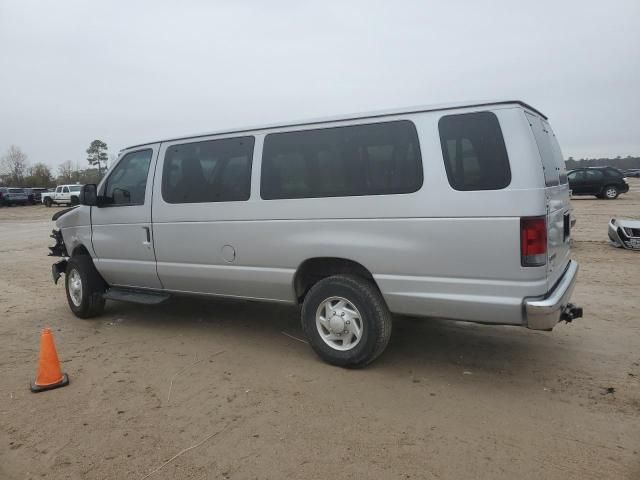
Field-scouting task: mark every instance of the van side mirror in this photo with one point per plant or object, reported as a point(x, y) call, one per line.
point(89, 195)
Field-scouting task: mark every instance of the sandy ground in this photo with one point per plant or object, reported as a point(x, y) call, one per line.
point(447, 400)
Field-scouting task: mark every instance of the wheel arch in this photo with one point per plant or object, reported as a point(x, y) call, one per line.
point(80, 249)
point(314, 269)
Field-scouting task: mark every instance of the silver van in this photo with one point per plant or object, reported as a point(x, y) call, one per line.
point(456, 211)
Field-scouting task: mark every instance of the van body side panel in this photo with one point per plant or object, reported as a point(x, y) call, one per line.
point(75, 227)
point(459, 282)
point(435, 252)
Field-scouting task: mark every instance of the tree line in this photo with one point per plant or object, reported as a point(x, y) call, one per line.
point(17, 171)
point(625, 163)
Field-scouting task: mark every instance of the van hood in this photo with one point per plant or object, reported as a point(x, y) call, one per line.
point(57, 215)
point(77, 216)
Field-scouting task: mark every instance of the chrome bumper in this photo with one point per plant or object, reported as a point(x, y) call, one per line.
point(542, 313)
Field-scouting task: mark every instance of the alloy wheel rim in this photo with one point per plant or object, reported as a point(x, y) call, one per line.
point(611, 192)
point(339, 323)
point(75, 287)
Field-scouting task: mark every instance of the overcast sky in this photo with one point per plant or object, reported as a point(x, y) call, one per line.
point(127, 72)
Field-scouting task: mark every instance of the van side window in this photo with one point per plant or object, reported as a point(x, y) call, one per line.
point(373, 159)
point(211, 171)
point(127, 183)
point(475, 156)
point(65, 189)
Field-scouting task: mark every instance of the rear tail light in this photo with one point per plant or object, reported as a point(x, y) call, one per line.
point(533, 241)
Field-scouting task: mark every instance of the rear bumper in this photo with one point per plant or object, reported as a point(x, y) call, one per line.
point(542, 313)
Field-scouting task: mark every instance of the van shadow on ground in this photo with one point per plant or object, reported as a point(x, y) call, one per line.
point(415, 342)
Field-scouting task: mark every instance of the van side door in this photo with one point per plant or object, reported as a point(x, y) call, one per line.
point(201, 203)
point(121, 230)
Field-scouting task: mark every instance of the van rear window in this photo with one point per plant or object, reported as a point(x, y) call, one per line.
point(373, 159)
point(475, 156)
point(555, 172)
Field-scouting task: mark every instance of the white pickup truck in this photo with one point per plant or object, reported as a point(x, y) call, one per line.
point(63, 195)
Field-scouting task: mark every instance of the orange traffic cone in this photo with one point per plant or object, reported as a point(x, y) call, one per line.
point(49, 375)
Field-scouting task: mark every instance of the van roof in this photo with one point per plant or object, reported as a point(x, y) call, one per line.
point(354, 116)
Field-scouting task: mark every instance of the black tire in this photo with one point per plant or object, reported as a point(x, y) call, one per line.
point(48, 202)
point(610, 192)
point(374, 314)
point(91, 302)
point(75, 201)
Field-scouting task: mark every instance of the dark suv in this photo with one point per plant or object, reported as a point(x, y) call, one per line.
point(603, 182)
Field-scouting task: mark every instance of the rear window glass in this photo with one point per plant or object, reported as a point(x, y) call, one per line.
point(374, 159)
point(211, 171)
point(612, 172)
point(552, 161)
point(475, 156)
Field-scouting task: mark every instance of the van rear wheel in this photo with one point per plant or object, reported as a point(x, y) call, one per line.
point(346, 320)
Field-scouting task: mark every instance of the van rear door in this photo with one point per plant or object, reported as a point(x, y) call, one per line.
point(557, 198)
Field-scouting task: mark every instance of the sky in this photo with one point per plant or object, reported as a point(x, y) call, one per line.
point(127, 72)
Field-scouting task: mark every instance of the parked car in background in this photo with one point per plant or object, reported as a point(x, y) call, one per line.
point(634, 172)
point(603, 182)
point(13, 196)
point(625, 233)
point(341, 216)
point(34, 195)
point(63, 195)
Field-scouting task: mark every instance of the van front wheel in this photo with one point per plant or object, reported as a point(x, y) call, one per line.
point(84, 287)
point(346, 320)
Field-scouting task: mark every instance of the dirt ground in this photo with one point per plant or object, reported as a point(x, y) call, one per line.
point(447, 400)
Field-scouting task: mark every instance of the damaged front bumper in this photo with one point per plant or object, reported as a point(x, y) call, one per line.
point(58, 250)
point(58, 269)
point(543, 313)
point(625, 233)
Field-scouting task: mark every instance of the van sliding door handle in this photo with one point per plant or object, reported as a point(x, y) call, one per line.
point(148, 236)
